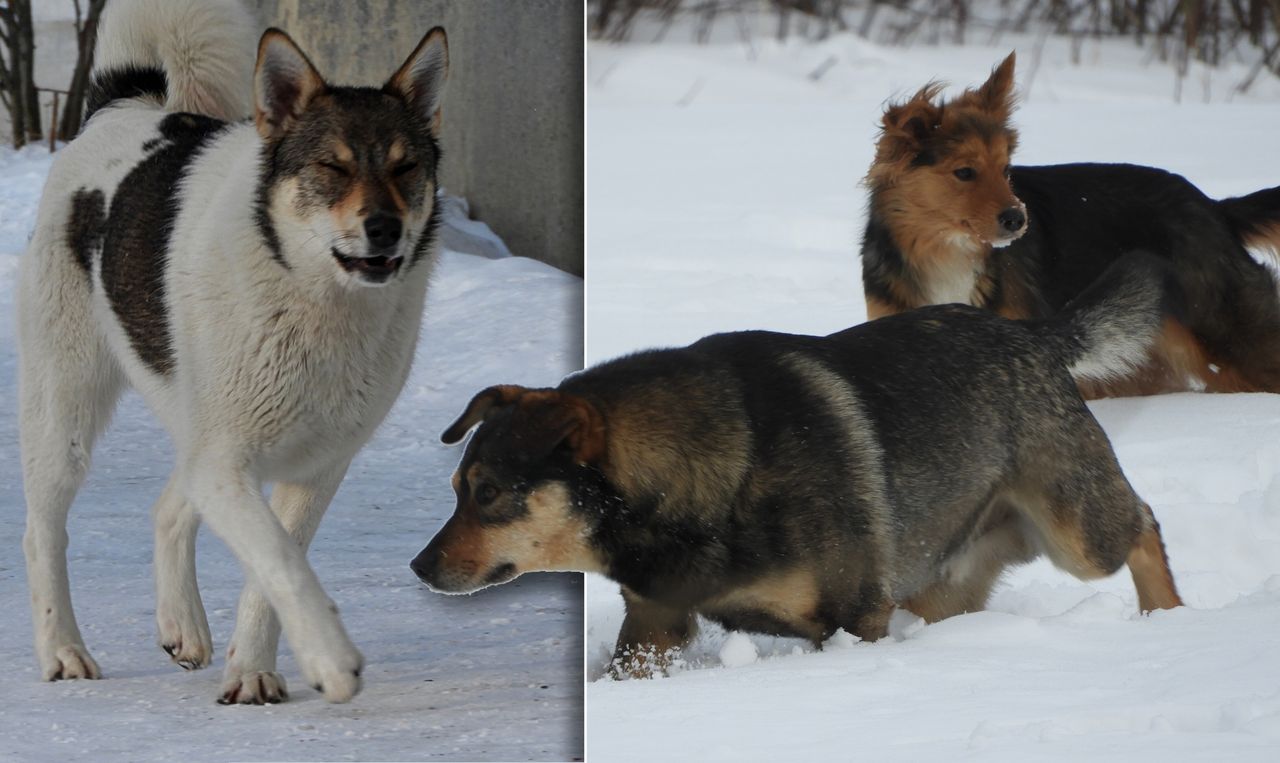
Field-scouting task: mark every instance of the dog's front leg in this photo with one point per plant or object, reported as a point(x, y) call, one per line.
point(251, 677)
point(229, 500)
point(650, 637)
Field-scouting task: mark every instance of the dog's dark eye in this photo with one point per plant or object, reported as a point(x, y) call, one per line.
point(335, 168)
point(404, 169)
point(485, 494)
point(1008, 170)
point(966, 173)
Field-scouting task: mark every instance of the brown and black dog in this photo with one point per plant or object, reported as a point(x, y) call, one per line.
point(796, 484)
point(950, 220)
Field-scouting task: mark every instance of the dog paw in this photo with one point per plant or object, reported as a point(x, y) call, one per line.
point(72, 661)
point(338, 679)
point(644, 662)
point(189, 645)
point(253, 688)
point(183, 631)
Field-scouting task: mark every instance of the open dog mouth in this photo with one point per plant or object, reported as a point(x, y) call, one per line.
point(380, 267)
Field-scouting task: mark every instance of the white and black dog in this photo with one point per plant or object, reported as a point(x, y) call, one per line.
point(261, 283)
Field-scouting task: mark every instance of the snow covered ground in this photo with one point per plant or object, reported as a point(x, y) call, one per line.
point(493, 676)
point(724, 194)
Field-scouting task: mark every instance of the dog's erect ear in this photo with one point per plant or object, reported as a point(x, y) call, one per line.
point(481, 404)
point(420, 80)
point(284, 82)
point(996, 94)
point(907, 126)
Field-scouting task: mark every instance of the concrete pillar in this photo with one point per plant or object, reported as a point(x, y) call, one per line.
point(513, 114)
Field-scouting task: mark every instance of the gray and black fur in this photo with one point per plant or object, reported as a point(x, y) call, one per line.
point(794, 485)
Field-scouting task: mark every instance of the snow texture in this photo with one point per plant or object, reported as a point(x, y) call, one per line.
point(492, 676)
point(724, 189)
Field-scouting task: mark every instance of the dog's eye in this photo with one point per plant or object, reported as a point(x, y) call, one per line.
point(965, 173)
point(1008, 170)
point(485, 494)
point(404, 168)
point(335, 168)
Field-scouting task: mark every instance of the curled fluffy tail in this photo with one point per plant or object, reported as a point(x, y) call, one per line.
point(190, 55)
point(1108, 331)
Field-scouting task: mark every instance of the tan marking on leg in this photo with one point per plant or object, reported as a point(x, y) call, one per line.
point(790, 597)
point(1149, 565)
point(966, 580)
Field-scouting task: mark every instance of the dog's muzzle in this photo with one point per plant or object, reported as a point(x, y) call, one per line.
point(443, 576)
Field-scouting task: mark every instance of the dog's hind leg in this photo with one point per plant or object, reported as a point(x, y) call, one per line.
point(181, 624)
point(251, 677)
point(1090, 522)
point(68, 386)
point(968, 577)
point(1149, 565)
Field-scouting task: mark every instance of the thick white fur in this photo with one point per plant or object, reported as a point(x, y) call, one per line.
point(280, 376)
point(206, 50)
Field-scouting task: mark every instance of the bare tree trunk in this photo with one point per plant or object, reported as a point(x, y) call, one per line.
point(27, 54)
point(13, 71)
point(86, 40)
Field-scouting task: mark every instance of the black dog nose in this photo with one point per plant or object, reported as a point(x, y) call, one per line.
point(383, 231)
point(423, 564)
point(1012, 219)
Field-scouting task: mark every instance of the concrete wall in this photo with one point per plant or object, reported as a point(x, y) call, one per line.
point(513, 112)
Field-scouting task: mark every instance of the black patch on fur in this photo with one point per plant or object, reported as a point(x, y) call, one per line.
point(126, 82)
point(882, 262)
point(136, 246)
point(925, 158)
point(86, 226)
point(267, 175)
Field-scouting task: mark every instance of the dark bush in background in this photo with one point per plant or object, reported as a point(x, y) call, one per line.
point(1176, 31)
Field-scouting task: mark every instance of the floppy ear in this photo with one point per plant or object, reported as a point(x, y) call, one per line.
point(547, 418)
point(486, 399)
point(996, 94)
point(420, 80)
point(284, 82)
point(906, 127)
point(582, 427)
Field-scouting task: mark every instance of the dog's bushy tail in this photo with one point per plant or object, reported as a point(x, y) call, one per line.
point(1256, 219)
point(189, 55)
point(1108, 331)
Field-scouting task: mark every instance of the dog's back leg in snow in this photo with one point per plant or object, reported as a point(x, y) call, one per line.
point(68, 387)
point(1149, 565)
point(1087, 517)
